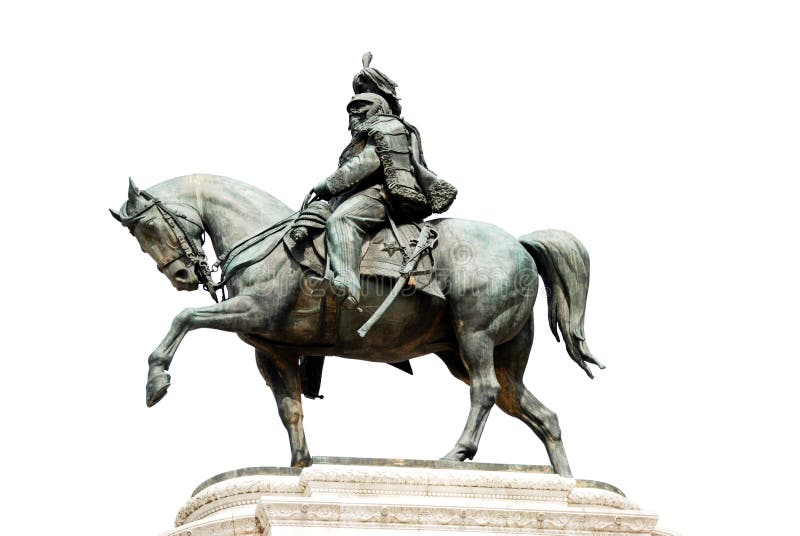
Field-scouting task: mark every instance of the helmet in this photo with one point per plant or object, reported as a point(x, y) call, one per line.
point(371, 103)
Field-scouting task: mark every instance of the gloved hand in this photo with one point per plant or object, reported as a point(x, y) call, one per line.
point(323, 191)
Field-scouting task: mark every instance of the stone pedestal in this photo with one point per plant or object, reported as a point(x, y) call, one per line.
point(385, 498)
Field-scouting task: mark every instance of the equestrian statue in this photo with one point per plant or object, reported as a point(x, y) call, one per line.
point(359, 272)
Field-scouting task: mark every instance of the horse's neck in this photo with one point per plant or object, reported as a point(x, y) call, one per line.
point(230, 210)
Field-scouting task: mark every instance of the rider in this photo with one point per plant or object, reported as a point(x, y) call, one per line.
point(381, 169)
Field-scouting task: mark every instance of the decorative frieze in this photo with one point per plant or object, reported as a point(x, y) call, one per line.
point(341, 499)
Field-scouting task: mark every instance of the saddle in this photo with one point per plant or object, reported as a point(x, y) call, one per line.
point(384, 254)
point(381, 255)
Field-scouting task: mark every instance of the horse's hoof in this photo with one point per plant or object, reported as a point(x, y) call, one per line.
point(304, 461)
point(458, 454)
point(156, 389)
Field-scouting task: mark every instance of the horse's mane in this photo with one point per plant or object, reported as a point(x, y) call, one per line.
point(189, 189)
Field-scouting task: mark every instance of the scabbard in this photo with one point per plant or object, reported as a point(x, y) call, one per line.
point(405, 274)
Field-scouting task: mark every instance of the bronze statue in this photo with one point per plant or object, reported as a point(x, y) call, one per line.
point(382, 174)
point(469, 287)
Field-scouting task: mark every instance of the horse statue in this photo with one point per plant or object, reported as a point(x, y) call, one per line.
point(482, 329)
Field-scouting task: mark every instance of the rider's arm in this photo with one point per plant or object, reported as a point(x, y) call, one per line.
point(422, 172)
point(350, 174)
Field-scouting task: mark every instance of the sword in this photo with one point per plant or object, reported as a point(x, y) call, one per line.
point(424, 241)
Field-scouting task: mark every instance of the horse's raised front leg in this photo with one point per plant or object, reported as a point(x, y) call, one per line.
point(477, 352)
point(281, 371)
point(239, 314)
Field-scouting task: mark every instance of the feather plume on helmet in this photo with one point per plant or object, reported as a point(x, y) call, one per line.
point(371, 80)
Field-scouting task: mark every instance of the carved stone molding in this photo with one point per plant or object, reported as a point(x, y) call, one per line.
point(413, 476)
point(600, 497)
point(390, 498)
point(421, 517)
point(435, 482)
point(236, 492)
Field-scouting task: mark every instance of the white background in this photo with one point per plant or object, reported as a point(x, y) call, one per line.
point(664, 135)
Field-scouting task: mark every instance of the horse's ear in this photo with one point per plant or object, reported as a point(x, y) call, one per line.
point(133, 190)
point(115, 214)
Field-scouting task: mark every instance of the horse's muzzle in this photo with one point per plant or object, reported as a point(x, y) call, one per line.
point(183, 279)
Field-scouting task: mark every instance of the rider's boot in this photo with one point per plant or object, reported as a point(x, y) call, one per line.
point(337, 287)
point(349, 292)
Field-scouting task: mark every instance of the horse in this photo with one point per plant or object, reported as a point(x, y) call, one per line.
point(482, 330)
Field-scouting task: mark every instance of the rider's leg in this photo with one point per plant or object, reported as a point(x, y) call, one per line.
point(347, 228)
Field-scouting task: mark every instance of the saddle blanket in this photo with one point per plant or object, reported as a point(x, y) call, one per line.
point(381, 255)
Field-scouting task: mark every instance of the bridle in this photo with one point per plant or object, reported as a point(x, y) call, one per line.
point(188, 248)
point(196, 255)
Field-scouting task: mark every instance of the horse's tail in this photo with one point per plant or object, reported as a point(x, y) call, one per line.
point(563, 263)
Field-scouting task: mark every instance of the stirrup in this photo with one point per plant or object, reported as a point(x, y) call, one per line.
point(328, 286)
point(347, 299)
point(336, 289)
point(351, 304)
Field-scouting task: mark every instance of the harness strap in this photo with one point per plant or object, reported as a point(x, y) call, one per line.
point(406, 248)
point(226, 276)
point(163, 263)
point(397, 235)
point(231, 254)
point(196, 255)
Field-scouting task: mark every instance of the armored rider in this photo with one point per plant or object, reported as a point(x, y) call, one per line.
point(382, 170)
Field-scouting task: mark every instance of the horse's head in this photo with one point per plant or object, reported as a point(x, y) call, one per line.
point(172, 238)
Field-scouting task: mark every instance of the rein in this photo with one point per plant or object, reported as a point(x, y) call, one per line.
point(197, 256)
point(243, 245)
point(240, 247)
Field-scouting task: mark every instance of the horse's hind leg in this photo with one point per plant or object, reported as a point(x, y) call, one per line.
point(515, 399)
point(282, 374)
point(476, 353)
point(452, 359)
